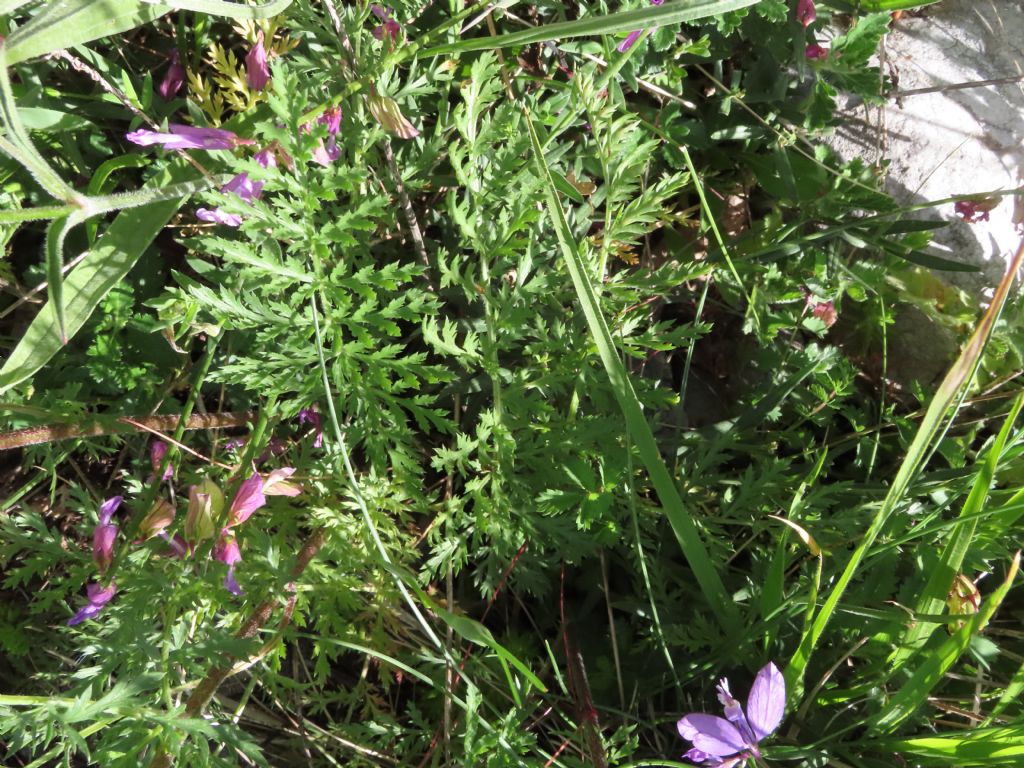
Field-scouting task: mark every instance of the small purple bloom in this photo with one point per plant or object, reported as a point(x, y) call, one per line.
point(244, 187)
point(731, 740)
point(98, 597)
point(815, 52)
point(390, 28)
point(217, 216)
point(157, 451)
point(174, 78)
point(180, 548)
point(974, 211)
point(109, 507)
point(248, 499)
point(227, 551)
point(631, 38)
point(188, 137)
point(257, 73)
point(311, 416)
point(266, 158)
point(806, 13)
point(103, 538)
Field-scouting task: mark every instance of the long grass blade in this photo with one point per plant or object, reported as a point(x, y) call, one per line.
point(682, 525)
point(914, 692)
point(958, 377)
point(933, 597)
point(626, 21)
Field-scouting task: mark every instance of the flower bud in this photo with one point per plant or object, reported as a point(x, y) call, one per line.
point(103, 538)
point(205, 504)
point(387, 113)
point(160, 515)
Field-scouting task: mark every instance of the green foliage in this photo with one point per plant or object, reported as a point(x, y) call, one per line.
point(549, 372)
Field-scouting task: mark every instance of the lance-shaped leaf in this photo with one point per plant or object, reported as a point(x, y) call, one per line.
point(115, 253)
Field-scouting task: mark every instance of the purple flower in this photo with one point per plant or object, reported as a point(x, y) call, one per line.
point(244, 187)
point(266, 158)
point(98, 597)
point(173, 80)
point(226, 550)
point(631, 38)
point(104, 535)
point(815, 52)
point(311, 416)
point(180, 548)
point(806, 12)
point(730, 741)
point(188, 137)
point(157, 451)
point(390, 28)
point(248, 499)
point(217, 216)
point(257, 73)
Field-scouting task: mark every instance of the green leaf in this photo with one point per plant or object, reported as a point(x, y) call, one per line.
point(682, 524)
point(983, 747)
point(626, 21)
point(931, 261)
point(107, 263)
point(860, 43)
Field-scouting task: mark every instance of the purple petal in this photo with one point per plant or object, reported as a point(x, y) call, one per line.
point(257, 73)
point(231, 583)
point(85, 612)
point(714, 735)
point(241, 185)
point(173, 80)
point(103, 538)
point(626, 44)
point(248, 499)
point(188, 137)
point(109, 507)
point(265, 158)
point(767, 701)
point(98, 597)
point(217, 216)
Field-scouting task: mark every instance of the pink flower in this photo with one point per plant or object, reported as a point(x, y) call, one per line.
point(104, 535)
point(98, 597)
point(826, 312)
point(248, 499)
point(217, 216)
point(325, 155)
point(389, 29)
point(157, 451)
point(188, 137)
point(257, 73)
point(974, 211)
point(277, 483)
point(815, 52)
point(173, 80)
point(631, 38)
point(806, 12)
point(227, 551)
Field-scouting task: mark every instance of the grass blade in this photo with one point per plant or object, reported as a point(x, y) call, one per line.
point(958, 377)
point(933, 598)
point(982, 747)
point(914, 692)
point(626, 21)
point(108, 262)
point(682, 525)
